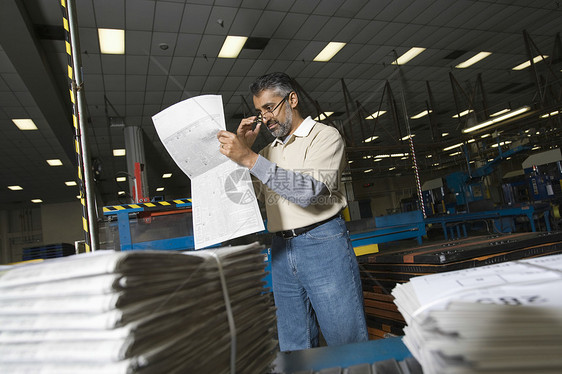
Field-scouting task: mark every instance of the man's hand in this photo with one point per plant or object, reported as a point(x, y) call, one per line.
point(245, 132)
point(235, 148)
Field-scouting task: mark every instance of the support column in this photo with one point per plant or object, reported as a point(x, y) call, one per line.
point(134, 148)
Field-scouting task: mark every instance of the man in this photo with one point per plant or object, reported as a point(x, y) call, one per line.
point(315, 274)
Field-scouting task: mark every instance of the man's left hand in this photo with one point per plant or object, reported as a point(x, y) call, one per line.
point(232, 147)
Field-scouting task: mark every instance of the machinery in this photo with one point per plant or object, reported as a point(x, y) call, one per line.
point(543, 173)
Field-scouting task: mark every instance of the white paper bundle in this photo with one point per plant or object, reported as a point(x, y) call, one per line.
point(138, 312)
point(503, 318)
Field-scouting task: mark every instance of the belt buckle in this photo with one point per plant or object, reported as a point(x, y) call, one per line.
point(288, 234)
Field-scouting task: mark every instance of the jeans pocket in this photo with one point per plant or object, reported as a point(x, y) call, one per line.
point(329, 231)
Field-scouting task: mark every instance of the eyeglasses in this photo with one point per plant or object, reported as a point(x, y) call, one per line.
point(260, 114)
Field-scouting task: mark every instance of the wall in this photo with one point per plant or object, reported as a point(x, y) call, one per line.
point(37, 225)
point(62, 223)
point(385, 193)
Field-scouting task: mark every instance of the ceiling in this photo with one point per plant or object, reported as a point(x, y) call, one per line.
point(149, 78)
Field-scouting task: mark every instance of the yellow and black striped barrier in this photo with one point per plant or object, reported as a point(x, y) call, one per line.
point(143, 207)
point(77, 145)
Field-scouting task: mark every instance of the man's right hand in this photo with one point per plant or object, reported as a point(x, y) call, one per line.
point(245, 132)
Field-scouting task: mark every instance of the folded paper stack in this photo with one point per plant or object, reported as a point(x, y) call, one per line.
point(138, 312)
point(502, 318)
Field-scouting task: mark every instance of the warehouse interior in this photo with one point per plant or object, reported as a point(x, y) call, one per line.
point(442, 133)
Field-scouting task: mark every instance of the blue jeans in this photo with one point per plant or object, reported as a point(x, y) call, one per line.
point(316, 282)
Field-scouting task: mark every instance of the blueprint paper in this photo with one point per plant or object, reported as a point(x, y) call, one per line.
point(224, 202)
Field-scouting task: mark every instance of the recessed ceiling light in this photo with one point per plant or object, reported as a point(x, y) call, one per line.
point(474, 59)
point(54, 162)
point(119, 152)
point(15, 188)
point(376, 114)
point(526, 64)
point(329, 51)
point(121, 179)
point(24, 124)
point(36, 201)
point(167, 175)
point(159, 189)
point(232, 46)
point(70, 183)
point(112, 41)
point(413, 52)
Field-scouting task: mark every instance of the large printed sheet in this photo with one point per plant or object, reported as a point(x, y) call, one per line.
point(224, 202)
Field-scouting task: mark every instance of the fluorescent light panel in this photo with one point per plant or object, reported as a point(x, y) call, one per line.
point(371, 138)
point(367, 171)
point(329, 51)
point(408, 137)
point(24, 124)
point(323, 116)
point(159, 189)
point(463, 113)
point(413, 52)
point(474, 59)
point(452, 147)
point(497, 119)
point(167, 175)
point(526, 64)
point(70, 183)
point(15, 188)
point(500, 112)
point(36, 201)
point(551, 114)
point(232, 46)
point(119, 152)
point(376, 114)
point(121, 179)
point(421, 114)
point(112, 41)
point(54, 162)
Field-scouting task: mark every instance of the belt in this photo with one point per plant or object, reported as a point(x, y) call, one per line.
point(288, 234)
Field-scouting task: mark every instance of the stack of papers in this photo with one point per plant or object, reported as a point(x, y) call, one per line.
point(138, 312)
point(504, 318)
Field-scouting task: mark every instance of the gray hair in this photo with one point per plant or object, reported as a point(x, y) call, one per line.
point(280, 83)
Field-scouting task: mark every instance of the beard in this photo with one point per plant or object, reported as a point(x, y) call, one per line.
point(282, 128)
